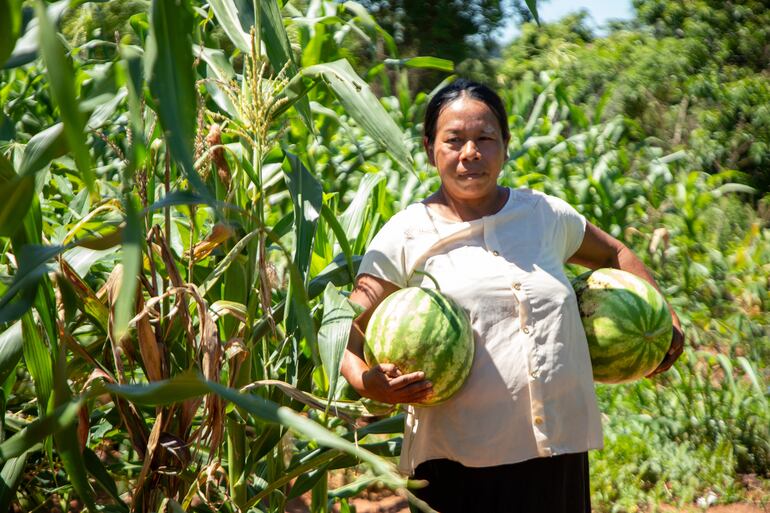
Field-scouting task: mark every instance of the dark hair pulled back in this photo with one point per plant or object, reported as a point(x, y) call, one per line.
point(457, 89)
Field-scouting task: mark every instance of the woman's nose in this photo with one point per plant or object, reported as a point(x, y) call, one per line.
point(470, 151)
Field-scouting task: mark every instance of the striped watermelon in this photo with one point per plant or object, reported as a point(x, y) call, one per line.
point(421, 330)
point(627, 324)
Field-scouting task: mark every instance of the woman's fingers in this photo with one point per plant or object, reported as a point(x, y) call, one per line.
point(405, 380)
point(414, 392)
point(394, 387)
point(389, 370)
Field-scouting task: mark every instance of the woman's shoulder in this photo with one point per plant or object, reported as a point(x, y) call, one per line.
point(541, 200)
point(407, 223)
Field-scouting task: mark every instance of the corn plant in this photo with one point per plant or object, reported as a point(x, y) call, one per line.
point(170, 299)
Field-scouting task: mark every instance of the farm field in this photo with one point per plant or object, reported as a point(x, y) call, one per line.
point(187, 189)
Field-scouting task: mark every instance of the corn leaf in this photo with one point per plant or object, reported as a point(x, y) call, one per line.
point(169, 70)
point(336, 272)
point(423, 62)
point(11, 342)
point(37, 431)
point(180, 388)
point(10, 27)
point(96, 468)
point(33, 266)
point(342, 239)
point(62, 81)
point(66, 439)
point(15, 200)
point(132, 262)
point(352, 220)
point(334, 333)
point(268, 411)
point(532, 4)
point(226, 12)
point(10, 478)
point(26, 48)
point(361, 104)
point(307, 197)
point(42, 148)
point(37, 357)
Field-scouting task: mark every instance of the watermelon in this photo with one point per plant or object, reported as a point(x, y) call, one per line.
point(627, 324)
point(420, 329)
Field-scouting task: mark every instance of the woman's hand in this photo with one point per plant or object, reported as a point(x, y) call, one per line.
point(386, 384)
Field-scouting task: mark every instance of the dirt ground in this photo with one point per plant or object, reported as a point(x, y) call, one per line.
point(396, 504)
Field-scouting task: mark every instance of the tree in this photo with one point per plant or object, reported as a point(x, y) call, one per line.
point(692, 74)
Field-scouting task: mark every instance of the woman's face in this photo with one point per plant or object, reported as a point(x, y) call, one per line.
point(469, 150)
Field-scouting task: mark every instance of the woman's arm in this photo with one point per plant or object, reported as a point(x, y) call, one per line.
point(599, 249)
point(383, 382)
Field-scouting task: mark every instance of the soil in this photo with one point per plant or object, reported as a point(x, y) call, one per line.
point(395, 504)
point(384, 500)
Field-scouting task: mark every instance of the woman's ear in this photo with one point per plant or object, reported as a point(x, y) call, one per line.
point(429, 150)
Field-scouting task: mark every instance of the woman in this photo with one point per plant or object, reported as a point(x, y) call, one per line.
point(516, 436)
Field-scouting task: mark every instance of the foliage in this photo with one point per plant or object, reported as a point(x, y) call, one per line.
point(692, 74)
point(169, 338)
point(708, 250)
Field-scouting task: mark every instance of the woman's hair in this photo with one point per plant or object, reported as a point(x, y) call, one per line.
point(457, 89)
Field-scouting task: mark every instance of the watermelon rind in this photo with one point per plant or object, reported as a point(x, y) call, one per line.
point(627, 324)
point(419, 329)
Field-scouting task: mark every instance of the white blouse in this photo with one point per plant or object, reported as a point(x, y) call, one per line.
point(530, 391)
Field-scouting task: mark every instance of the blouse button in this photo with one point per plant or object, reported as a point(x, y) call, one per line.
point(496, 253)
point(525, 330)
point(538, 420)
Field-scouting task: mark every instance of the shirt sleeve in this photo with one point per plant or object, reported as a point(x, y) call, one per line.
point(569, 227)
point(385, 257)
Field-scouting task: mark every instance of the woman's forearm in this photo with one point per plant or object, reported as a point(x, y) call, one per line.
point(353, 365)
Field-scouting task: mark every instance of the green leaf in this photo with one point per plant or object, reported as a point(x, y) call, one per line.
point(423, 63)
point(10, 27)
point(307, 196)
point(170, 74)
point(218, 69)
point(33, 267)
point(66, 439)
point(15, 200)
point(10, 477)
point(106, 108)
point(61, 78)
point(342, 238)
point(132, 265)
point(532, 4)
point(362, 105)
point(39, 430)
point(42, 148)
point(7, 173)
point(26, 47)
point(337, 273)
point(226, 262)
point(37, 357)
point(266, 410)
point(352, 220)
point(334, 333)
point(180, 388)
point(226, 13)
point(11, 342)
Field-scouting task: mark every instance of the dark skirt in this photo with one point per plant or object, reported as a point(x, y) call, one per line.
point(542, 485)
